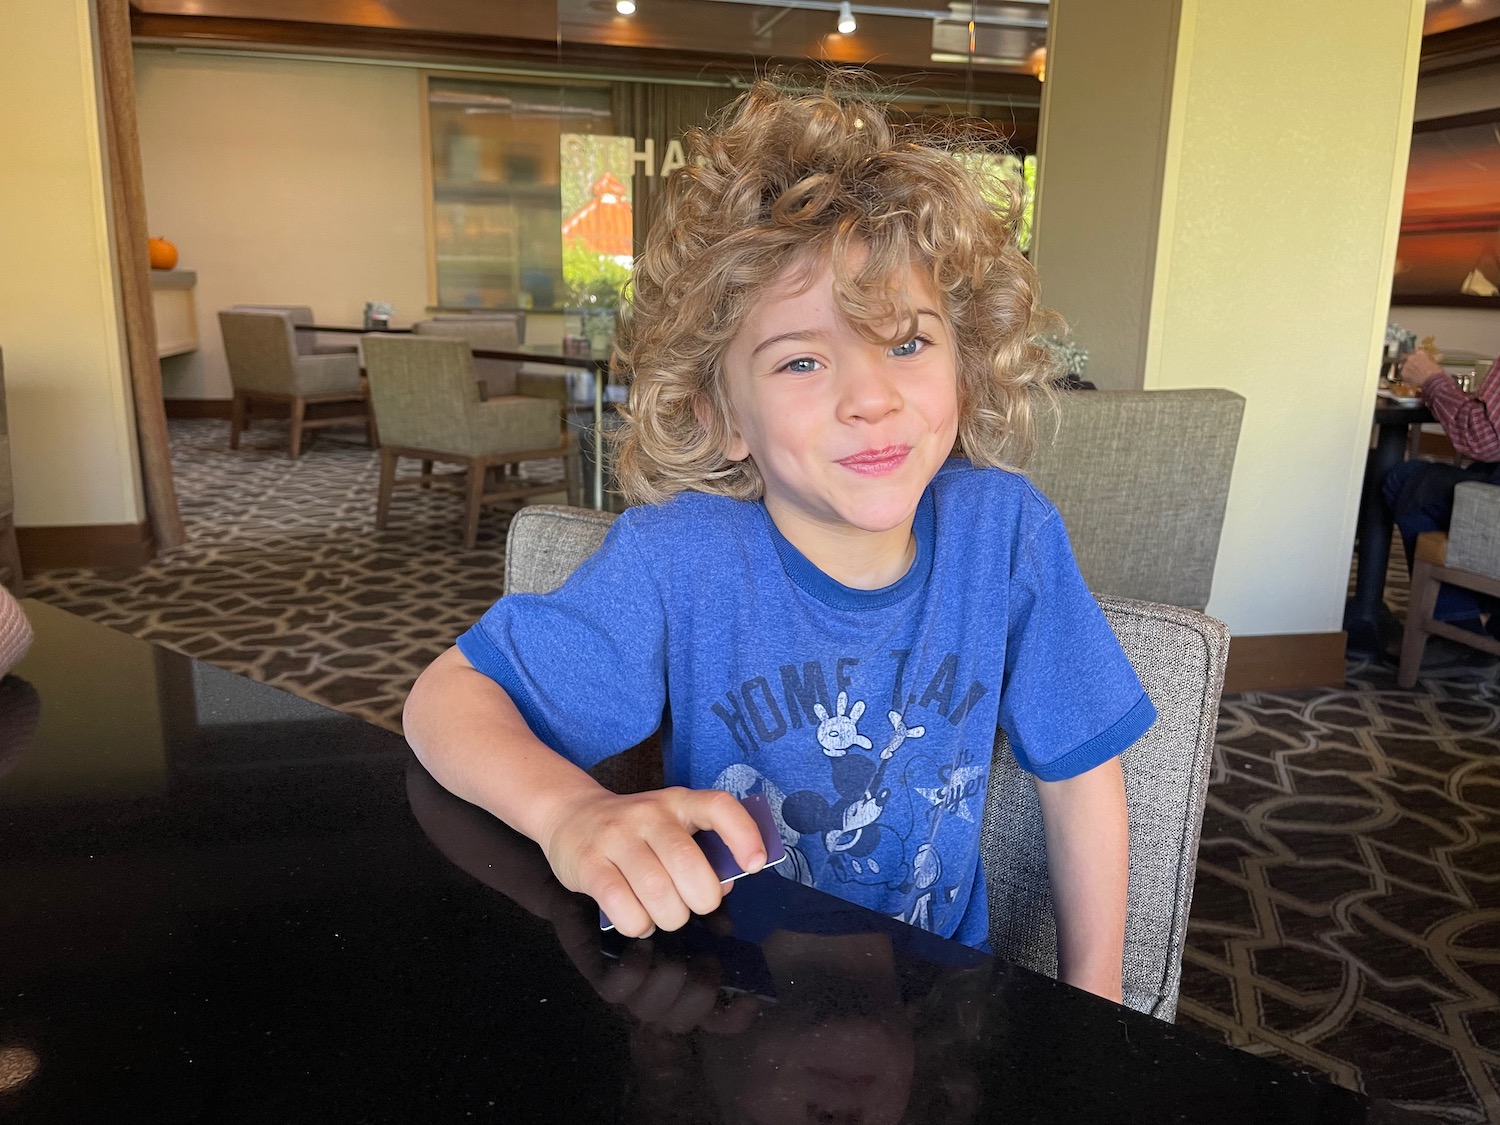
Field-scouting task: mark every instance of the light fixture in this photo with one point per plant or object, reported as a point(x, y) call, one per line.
point(625, 7)
point(846, 19)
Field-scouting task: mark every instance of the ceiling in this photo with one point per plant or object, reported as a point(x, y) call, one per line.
point(700, 38)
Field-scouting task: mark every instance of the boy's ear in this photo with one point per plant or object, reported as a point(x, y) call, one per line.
point(734, 448)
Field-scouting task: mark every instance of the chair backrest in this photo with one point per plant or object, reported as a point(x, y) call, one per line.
point(1141, 479)
point(1474, 535)
point(301, 316)
point(518, 319)
point(499, 332)
point(260, 348)
point(422, 389)
point(1179, 655)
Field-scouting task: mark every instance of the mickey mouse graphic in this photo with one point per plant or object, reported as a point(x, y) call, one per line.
point(849, 828)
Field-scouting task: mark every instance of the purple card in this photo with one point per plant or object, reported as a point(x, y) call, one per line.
point(721, 859)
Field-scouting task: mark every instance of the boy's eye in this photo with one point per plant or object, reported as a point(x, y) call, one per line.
point(911, 347)
point(803, 366)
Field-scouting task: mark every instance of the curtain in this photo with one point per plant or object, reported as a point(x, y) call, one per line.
point(661, 113)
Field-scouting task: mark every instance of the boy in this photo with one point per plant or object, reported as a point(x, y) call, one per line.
point(820, 597)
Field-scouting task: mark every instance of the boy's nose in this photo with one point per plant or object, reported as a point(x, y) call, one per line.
point(869, 391)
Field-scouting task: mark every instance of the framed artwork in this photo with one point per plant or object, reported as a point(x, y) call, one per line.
point(1449, 250)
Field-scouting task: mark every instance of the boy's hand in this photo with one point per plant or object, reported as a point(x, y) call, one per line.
point(636, 857)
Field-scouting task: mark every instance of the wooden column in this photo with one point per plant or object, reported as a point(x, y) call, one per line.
point(128, 201)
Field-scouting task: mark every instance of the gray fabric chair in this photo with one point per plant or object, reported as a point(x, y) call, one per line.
point(427, 407)
point(1141, 479)
point(1179, 655)
point(302, 320)
point(265, 367)
point(1467, 555)
point(10, 552)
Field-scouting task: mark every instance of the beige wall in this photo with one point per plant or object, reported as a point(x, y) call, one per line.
point(1277, 242)
point(1101, 152)
point(1272, 195)
point(282, 182)
point(72, 427)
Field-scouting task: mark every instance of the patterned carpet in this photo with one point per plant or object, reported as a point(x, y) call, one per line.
point(1347, 913)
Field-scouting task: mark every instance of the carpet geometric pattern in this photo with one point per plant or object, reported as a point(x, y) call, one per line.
point(1346, 918)
point(284, 578)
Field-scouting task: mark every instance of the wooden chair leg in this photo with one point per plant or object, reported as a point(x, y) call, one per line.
point(1424, 593)
point(426, 474)
point(239, 418)
point(372, 431)
point(299, 410)
point(388, 461)
point(475, 492)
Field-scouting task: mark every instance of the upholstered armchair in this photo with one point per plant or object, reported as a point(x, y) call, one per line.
point(427, 406)
point(267, 368)
point(10, 553)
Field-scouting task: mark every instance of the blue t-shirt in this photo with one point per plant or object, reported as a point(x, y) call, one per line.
point(866, 717)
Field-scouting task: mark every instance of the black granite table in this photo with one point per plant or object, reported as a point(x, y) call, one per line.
point(221, 903)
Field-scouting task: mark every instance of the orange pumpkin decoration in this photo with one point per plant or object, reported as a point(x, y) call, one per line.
point(163, 254)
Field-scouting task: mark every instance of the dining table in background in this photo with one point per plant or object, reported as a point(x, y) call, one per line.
point(225, 903)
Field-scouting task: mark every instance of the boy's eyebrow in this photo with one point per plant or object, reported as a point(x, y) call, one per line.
point(814, 333)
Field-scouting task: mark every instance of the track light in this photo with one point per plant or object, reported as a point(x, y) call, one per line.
point(625, 7)
point(846, 18)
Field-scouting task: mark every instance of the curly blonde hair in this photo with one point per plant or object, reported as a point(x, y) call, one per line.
point(787, 177)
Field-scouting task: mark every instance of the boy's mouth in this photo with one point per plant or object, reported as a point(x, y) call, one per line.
point(877, 462)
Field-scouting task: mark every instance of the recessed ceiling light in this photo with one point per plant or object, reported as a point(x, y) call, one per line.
point(625, 7)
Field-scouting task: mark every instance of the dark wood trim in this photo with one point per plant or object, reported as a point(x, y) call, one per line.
point(96, 545)
point(200, 408)
point(1456, 121)
point(127, 192)
point(1285, 662)
point(1461, 47)
point(1445, 301)
point(571, 58)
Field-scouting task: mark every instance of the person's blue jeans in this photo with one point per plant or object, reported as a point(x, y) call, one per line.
point(1419, 496)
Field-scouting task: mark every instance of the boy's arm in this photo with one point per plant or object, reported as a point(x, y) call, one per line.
point(1088, 861)
point(634, 855)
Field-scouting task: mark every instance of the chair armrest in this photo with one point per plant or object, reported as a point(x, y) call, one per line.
point(1474, 535)
point(326, 374)
point(539, 384)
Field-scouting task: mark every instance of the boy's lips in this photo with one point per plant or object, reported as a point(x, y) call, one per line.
point(877, 462)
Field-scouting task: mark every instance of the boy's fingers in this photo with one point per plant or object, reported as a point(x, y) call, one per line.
point(692, 875)
point(720, 811)
point(653, 884)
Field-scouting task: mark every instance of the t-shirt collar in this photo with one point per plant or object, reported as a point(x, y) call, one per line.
point(808, 578)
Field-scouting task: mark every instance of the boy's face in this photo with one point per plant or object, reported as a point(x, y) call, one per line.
point(846, 433)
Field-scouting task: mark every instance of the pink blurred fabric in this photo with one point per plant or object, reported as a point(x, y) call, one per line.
point(15, 632)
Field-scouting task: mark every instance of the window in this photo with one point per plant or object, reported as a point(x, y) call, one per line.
point(497, 188)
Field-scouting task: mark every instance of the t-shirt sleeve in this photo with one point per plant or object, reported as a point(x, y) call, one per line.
point(1070, 699)
point(585, 664)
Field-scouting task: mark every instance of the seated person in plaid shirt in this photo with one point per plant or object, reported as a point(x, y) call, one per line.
point(1418, 495)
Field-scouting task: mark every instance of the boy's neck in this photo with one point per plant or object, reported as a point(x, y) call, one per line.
point(861, 560)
